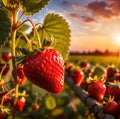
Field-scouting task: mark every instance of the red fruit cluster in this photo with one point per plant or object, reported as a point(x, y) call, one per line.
point(45, 69)
point(19, 105)
point(101, 87)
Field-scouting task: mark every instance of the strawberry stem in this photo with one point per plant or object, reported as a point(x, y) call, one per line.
point(2, 71)
point(6, 95)
point(35, 30)
point(27, 39)
point(13, 38)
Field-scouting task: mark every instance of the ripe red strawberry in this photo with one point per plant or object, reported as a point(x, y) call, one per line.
point(111, 108)
point(85, 64)
point(19, 105)
point(77, 76)
point(46, 70)
point(35, 107)
point(6, 98)
point(97, 89)
point(20, 74)
point(6, 56)
point(114, 90)
point(6, 69)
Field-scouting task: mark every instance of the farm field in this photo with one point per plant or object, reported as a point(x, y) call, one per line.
point(101, 60)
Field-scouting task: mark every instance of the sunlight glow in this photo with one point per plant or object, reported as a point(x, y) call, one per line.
point(117, 38)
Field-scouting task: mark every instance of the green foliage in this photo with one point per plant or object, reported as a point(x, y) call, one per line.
point(1, 2)
point(29, 7)
point(57, 27)
point(5, 25)
point(24, 27)
point(50, 102)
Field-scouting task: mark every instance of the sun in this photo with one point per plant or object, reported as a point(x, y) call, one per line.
point(117, 38)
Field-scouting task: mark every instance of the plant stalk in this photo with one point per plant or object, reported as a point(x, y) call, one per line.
point(13, 38)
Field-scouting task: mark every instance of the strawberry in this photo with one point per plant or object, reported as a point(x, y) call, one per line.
point(114, 90)
point(3, 112)
point(117, 76)
point(97, 89)
point(69, 68)
point(77, 76)
point(6, 98)
point(20, 74)
point(85, 64)
point(6, 56)
point(19, 105)
point(35, 107)
point(84, 84)
point(111, 108)
point(5, 70)
point(2, 115)
point(45, 69)
point(111, 71)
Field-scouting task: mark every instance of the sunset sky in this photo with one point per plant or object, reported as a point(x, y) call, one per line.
point(95, 24)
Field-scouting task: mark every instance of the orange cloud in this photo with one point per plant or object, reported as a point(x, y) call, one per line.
point(73, 15)
point(105, 9)
point(88, 19)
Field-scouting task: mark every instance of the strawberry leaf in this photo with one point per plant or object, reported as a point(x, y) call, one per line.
point(5, 25)
point(1, 1)
point(29, 7)
point(24, 27)
point(56, 26)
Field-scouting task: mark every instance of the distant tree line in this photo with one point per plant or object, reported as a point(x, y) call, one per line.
point(96, 52)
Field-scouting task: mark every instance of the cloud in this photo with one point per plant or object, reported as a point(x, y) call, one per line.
point(90, 11)
point(74, 16)
point(105, 9)
point(66, 3)
point(88, 19)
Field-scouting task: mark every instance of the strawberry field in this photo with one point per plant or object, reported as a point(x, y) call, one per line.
point(38, 78)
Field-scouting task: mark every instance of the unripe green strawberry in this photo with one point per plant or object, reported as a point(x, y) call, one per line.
point(45, 69)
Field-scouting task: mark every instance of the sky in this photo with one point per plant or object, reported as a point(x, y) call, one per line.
point(94, 24)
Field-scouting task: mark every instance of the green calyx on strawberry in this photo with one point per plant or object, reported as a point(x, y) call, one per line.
point(3, 111)
point(45, 69)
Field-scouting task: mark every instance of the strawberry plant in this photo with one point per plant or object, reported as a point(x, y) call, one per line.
point(38, 56)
